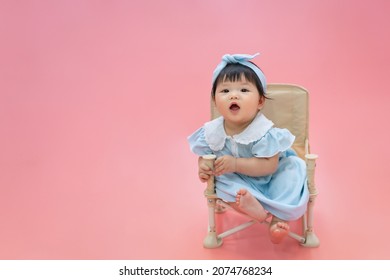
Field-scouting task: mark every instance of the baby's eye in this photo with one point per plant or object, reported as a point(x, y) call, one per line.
point(225, 91)
point(244, 90)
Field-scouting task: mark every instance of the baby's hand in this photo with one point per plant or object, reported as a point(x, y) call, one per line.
point(224, 164)
point(204, 171)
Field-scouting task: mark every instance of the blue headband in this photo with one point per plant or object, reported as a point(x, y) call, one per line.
point(242, 59)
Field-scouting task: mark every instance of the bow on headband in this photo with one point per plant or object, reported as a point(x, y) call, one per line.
point(242, 59)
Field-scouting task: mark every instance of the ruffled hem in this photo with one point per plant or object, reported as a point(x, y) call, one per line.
point(277, 140)
point(198, 144)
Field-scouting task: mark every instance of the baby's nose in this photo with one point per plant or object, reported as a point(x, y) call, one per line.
point(233, 95)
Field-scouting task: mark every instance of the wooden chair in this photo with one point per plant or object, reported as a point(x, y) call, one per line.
point(288, 107)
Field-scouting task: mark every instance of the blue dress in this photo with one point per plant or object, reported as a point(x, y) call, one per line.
point(283, 193)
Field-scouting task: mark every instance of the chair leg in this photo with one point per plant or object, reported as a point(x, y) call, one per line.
point(212, 240)
point(311, 239)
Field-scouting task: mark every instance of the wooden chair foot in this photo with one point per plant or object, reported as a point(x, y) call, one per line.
point(212, 241)
point(311, 240)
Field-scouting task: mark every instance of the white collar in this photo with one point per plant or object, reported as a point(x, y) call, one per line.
point(215, 132)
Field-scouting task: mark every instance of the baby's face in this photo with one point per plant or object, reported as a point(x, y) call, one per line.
point(238, 102)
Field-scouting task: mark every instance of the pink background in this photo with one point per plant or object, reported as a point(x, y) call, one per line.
point(97, 99)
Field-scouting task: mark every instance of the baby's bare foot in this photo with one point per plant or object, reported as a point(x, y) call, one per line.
point(278, 231)
point(249, 205)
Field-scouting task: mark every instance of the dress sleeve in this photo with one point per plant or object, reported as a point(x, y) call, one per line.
point(198, 144)
point(276, 140)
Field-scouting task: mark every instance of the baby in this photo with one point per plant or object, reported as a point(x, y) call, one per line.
point(256, 170)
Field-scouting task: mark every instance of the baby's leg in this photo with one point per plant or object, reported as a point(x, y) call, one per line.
point(248, 204)
point(278, 230)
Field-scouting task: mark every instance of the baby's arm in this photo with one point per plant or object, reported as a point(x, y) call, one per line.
point(248, 166)
point(204, 171)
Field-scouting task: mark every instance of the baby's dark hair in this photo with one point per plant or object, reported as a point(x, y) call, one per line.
point(233, 72)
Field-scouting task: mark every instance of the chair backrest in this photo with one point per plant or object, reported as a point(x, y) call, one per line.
point(288, 107)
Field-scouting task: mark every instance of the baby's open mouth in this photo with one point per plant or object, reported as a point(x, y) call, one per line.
point(234, 107)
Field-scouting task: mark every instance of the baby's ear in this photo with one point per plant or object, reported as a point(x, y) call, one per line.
point(261, 102)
